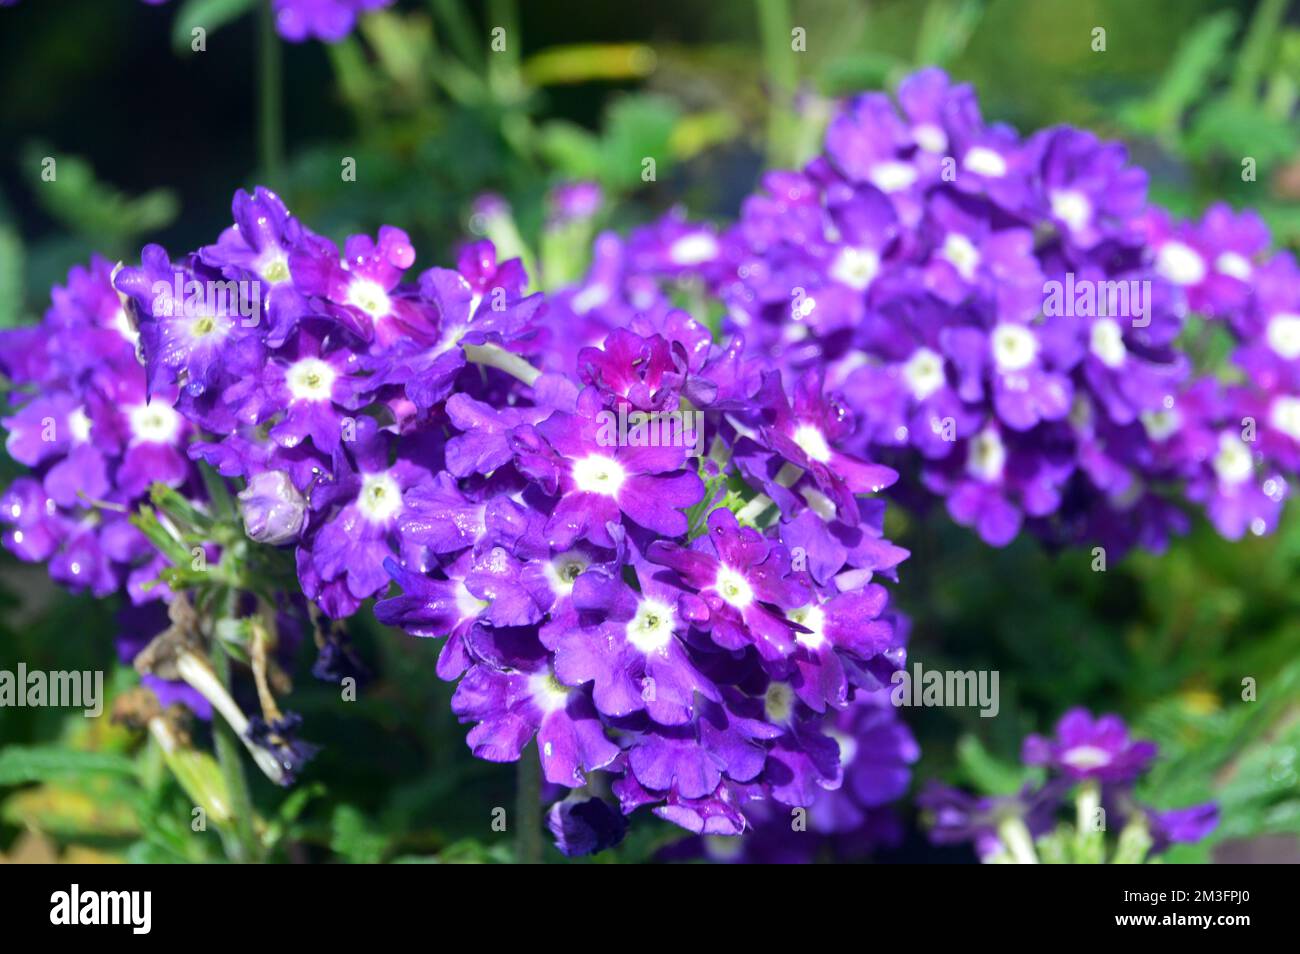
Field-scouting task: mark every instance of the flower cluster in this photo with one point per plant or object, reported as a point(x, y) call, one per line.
point(1101, 764)
point(94, 443)
point(642, 547)
point(1004, 317)
point(852, 822)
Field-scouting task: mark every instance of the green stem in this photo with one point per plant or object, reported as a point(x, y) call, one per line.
point(782, 75)
point(270, 112)
point(230, 759)
point(494, 356)
point(1017, 840)
point(528, 807)
point(1090, 843)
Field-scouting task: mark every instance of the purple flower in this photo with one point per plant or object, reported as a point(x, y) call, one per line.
point(585, 827)
point(257, 247)
point(598, 482)
point(1181, 825)
point(326, 20)
point(635, 658)
point(991, 823)
point(575, 201)
point(742, 585)
point(1084, 748)
point(511, 707)
point(356, 288)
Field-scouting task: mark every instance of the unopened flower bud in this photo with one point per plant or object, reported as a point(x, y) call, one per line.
point(273, 509)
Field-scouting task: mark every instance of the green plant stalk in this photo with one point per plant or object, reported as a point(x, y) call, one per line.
point(1257, 49)
point(230, 759)
point(270, 102)
point(1018, 841)
point(782, 75)
point(1090, 843)
point(460, 30)
point(528, 807)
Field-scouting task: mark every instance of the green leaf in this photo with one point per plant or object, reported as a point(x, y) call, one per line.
point(93, 209)
point(584, 62)
point(11, 276)
point(354, 839)
point(211, 15)
point(20, 764)
point(1200, 56)
point(637, 127)
point(1258, 49)
point(1228, 127)
point(986, 772)
point(571, 149)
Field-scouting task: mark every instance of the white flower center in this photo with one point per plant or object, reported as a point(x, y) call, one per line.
point(930, 137)
point(562, 569)
point(79, 426)
point(1108, 342)
point(274, 267)
point(1161, 425)
point(1086, 757)
point(855, 267)
point(652, 626)
point(1233, 463)
point(154, 423)
point(778, 702)
point(733, 587)
point(892, 176)
point(590, 297)
point(985, 162)
point(987, 456)
point(207, 325)
point(1180, 263)
point(1014, 347)
point(1284, 415)
point(1234, 265)
point(369, 296)
point(923, 373)
point(812, 442)
point(598, 474)
point(310, 379)
point(814, 618)
point(380, 498)
point(694, 249)
point(548, 692)
point(467, 604)
point(1072, 208)
point(962, 253)
point(1283, 335)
